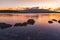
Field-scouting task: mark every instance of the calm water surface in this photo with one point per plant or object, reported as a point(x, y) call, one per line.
point(41, 30)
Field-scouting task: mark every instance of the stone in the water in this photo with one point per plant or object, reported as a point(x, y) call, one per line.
point(50, 21)
point(31, 21)
point(54, 20)
point(4, 25)
point(21, 24)
point(59, 21)
point(24, 24)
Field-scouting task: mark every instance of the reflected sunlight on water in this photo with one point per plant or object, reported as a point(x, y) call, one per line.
point(39, 18)
point(41, 30)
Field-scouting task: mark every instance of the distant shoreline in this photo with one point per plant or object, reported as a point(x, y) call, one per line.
point(26, 11)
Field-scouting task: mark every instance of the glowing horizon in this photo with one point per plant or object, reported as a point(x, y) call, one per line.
point(4, 4)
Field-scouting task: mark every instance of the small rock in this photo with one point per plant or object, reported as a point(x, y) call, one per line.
point(50, 22)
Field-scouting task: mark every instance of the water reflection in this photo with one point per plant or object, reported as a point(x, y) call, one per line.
point(38, 19)
point(31, 26)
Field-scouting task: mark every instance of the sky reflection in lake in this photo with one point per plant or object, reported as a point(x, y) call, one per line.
point(41, 30)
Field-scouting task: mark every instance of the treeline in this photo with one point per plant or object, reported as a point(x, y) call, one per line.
point(28, 11)
point(9, 11)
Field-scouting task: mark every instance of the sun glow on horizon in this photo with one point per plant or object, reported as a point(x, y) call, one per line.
point(30, 3)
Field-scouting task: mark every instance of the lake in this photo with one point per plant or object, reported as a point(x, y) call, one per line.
point(40, 30)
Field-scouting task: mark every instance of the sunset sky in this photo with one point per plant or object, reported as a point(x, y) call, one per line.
point(29, 3)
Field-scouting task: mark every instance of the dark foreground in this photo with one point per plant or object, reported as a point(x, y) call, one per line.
point(29, 34)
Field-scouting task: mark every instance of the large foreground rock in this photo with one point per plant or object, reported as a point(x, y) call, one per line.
point(4, 25)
